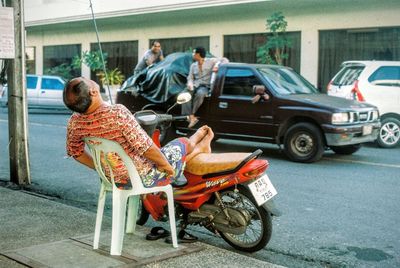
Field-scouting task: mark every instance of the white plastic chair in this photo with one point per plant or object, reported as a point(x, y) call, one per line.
point(99, 148)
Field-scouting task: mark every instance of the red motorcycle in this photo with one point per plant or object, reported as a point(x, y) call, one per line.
point(227, 193)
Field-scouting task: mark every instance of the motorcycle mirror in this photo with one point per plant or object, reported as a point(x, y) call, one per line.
point(183, 98)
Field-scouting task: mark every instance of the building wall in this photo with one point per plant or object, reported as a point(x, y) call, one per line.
point(309, 17)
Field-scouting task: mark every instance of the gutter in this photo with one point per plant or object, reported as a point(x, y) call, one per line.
point(141, 11)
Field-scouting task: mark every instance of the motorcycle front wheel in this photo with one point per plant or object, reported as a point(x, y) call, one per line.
point(259, 230)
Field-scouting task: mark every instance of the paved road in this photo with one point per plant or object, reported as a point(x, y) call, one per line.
point(339, 212)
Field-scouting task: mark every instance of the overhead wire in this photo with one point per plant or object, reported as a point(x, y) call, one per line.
point(101, 53)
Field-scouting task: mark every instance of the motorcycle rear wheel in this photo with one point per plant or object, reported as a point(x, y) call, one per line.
point(258, 232)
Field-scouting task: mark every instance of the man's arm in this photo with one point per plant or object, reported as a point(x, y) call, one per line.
point(148, 58)
point(141, 142)
point(190, 78)
point(154, 154)
point(85, 159)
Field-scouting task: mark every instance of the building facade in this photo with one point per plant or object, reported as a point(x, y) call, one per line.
point(324, 33)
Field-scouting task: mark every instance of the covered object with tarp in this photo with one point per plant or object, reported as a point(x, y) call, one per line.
point(161, 82)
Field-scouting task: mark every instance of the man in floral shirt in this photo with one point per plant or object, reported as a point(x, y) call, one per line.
point(95, 118)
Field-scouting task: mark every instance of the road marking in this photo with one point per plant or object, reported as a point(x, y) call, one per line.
point(363, 162)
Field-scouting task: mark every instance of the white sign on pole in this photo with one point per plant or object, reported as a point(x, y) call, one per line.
point(7, 40)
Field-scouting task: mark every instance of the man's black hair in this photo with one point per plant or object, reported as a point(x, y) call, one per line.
point(154, 42)
point(201, 51)
point(76, 96)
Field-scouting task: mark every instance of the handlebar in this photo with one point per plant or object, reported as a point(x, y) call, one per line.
point(149, 120)
point(165, 118)
point(161, 118)
point(180, 118)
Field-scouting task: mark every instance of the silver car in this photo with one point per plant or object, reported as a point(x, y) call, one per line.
point(375, 82)
point(43, 91)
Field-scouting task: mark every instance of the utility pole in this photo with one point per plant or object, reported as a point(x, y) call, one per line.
point(17, 104)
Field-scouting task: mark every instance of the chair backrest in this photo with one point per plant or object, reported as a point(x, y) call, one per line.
point(100, 148)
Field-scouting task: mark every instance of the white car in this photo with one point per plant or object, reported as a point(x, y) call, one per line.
point(375, 82)
point(43, 91)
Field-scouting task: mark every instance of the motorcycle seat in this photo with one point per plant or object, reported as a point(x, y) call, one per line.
point(205, 163)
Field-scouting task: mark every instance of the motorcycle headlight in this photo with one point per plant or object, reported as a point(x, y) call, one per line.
point(340, 118)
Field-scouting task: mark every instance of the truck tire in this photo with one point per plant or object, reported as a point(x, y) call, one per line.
point(389, 133)
point(347, 149)
point(303, 143)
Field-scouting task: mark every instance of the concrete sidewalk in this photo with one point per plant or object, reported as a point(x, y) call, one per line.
point(39, 232)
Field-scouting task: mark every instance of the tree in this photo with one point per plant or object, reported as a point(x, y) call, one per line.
point(91, 59)
point(64, 70)
point(274, 51)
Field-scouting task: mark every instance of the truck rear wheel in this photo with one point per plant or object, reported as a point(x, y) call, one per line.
point(303, 143)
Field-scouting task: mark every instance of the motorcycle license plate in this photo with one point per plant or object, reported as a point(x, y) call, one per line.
point(262, 189)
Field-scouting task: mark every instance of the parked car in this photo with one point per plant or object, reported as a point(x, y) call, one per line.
point(376, 82)
point(266, 103)
point(43, 91)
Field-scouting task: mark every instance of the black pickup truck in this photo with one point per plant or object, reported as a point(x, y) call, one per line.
point(274, 104)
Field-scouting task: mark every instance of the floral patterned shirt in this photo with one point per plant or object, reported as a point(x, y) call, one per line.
point(115, 123)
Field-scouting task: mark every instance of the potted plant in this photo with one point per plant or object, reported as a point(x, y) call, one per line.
point(113, 81)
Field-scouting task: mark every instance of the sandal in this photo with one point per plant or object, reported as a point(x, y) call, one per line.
point(157, 233)
point(183, 237)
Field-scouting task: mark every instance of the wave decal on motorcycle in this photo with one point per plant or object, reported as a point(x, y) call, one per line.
point(216, 182)
point(197, 184)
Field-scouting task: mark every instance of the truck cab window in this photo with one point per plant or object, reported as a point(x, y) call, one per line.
point(239, 82)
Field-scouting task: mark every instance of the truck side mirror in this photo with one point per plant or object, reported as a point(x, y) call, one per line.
point(260, 93)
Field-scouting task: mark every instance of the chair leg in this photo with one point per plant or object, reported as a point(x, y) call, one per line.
point(133, 207)
point(171, 213)
point(118, 222)
point(99, 217)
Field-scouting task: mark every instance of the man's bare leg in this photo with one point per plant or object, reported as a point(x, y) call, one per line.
point(198, 136)
point(203, 146)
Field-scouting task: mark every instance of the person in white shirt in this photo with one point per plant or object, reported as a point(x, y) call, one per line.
point(199, 82)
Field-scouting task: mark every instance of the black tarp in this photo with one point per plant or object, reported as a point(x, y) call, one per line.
point(162, 81)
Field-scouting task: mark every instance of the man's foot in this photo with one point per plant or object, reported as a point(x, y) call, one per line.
point(198, 135)
point(204, 146)
point(193, 122)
